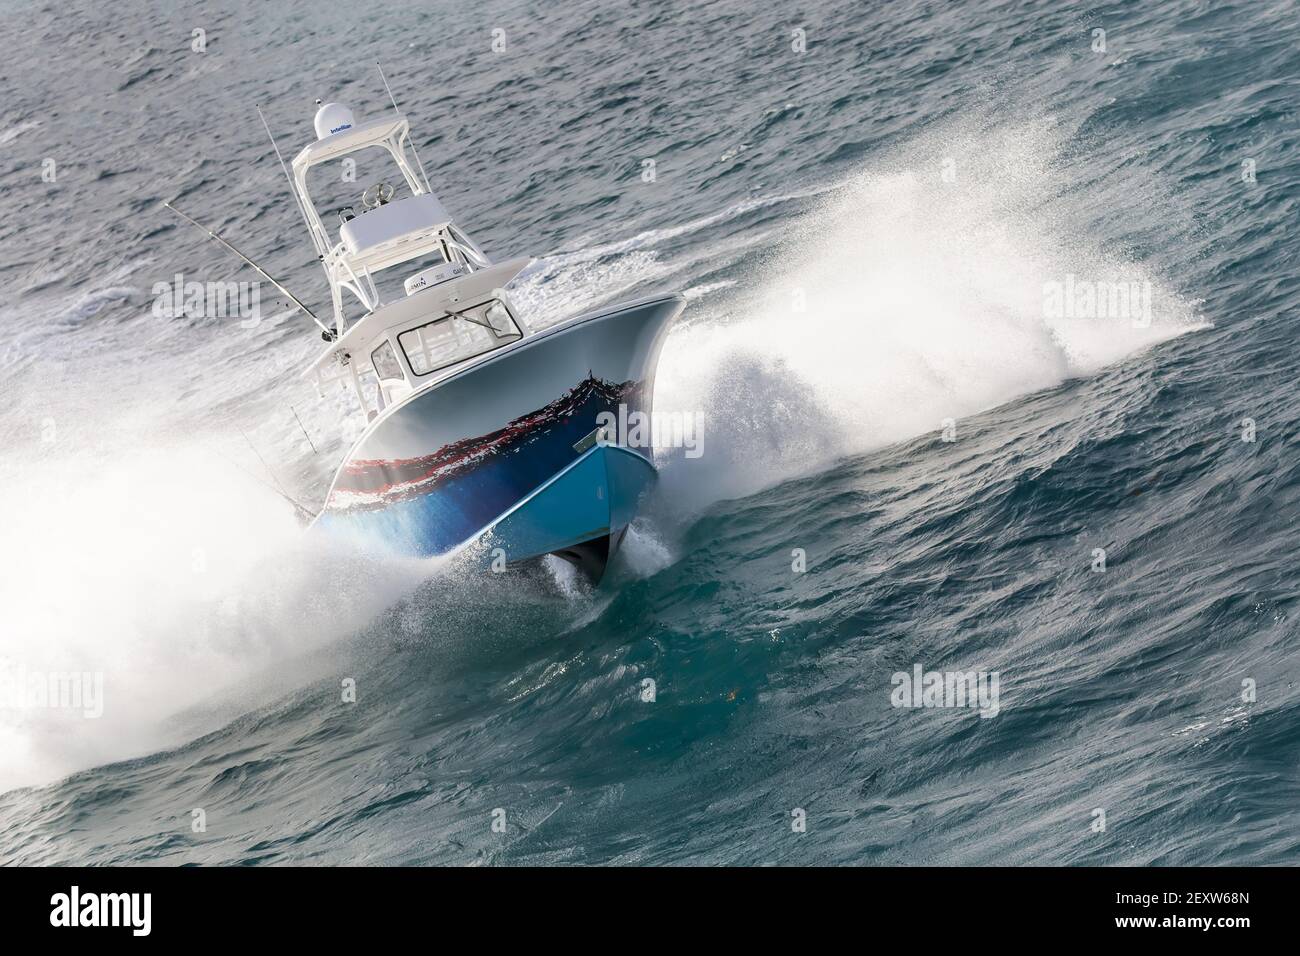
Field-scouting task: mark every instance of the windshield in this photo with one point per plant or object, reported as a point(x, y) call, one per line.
point(454, 337)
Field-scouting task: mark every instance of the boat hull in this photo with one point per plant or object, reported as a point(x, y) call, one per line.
point(505, 451)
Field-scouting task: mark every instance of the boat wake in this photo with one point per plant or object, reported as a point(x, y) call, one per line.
point(170, 594)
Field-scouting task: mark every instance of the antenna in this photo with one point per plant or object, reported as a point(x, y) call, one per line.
point(296, 198)
point(398, 111)
point(266, 275)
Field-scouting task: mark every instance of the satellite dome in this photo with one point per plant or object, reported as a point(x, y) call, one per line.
point(333, 118)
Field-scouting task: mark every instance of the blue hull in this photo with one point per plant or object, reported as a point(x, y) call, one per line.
point(507, 448)
point(593, 498)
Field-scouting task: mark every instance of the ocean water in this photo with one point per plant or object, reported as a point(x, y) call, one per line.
point(866, 205)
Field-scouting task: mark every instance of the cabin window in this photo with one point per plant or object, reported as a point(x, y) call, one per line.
point(385, 362)
point(453, 338)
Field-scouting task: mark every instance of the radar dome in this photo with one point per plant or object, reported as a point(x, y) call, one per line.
point(333, 118)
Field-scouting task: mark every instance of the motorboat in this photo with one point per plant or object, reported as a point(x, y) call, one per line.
point(481, 433)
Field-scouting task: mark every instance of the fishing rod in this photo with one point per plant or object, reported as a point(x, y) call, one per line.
point(269, 278)
point(304, 514)
point(314, 450)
